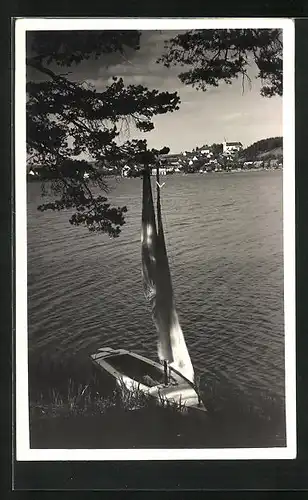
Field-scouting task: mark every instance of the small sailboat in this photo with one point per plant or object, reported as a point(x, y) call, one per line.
point(172, 378)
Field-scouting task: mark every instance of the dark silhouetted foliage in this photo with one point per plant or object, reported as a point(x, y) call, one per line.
point(73, 130)
point(212, 56)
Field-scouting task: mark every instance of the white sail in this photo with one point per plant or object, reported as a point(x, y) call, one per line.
point(158, 286)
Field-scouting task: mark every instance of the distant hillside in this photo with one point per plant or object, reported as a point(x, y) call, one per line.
point(265, 149)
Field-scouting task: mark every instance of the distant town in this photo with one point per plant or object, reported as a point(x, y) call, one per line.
point(266, 154)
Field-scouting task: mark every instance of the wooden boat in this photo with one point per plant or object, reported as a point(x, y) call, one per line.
point(138, 373)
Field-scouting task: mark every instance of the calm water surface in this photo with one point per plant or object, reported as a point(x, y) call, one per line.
point(224, 240)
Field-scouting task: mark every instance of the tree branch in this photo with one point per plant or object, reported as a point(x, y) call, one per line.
point(35, 63)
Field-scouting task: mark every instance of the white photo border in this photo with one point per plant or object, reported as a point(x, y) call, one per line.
point(23, 450)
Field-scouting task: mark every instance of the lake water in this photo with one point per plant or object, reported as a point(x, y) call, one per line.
point(224, 240)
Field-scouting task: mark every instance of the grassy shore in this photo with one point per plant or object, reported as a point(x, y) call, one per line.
point(71, 408)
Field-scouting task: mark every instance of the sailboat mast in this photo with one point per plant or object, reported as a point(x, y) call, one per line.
point(166, 377)
point(158, 191)
point(158, 206)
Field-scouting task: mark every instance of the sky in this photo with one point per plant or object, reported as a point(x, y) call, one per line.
point(219, 114)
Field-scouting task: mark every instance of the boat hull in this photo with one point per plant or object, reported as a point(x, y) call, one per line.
point(133, 372)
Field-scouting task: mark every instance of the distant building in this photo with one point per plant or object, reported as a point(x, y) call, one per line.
point(247, 164)
point(125, 171)
point(162, 171)
point(232, 147)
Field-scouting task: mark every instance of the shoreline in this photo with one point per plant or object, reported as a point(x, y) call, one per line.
point(103, 423)
point(34, 178)
point(69, 410)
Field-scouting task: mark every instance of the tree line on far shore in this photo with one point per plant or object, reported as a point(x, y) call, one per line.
point(266, 148)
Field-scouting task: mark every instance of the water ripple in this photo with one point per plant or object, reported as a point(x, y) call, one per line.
point(224, 241)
